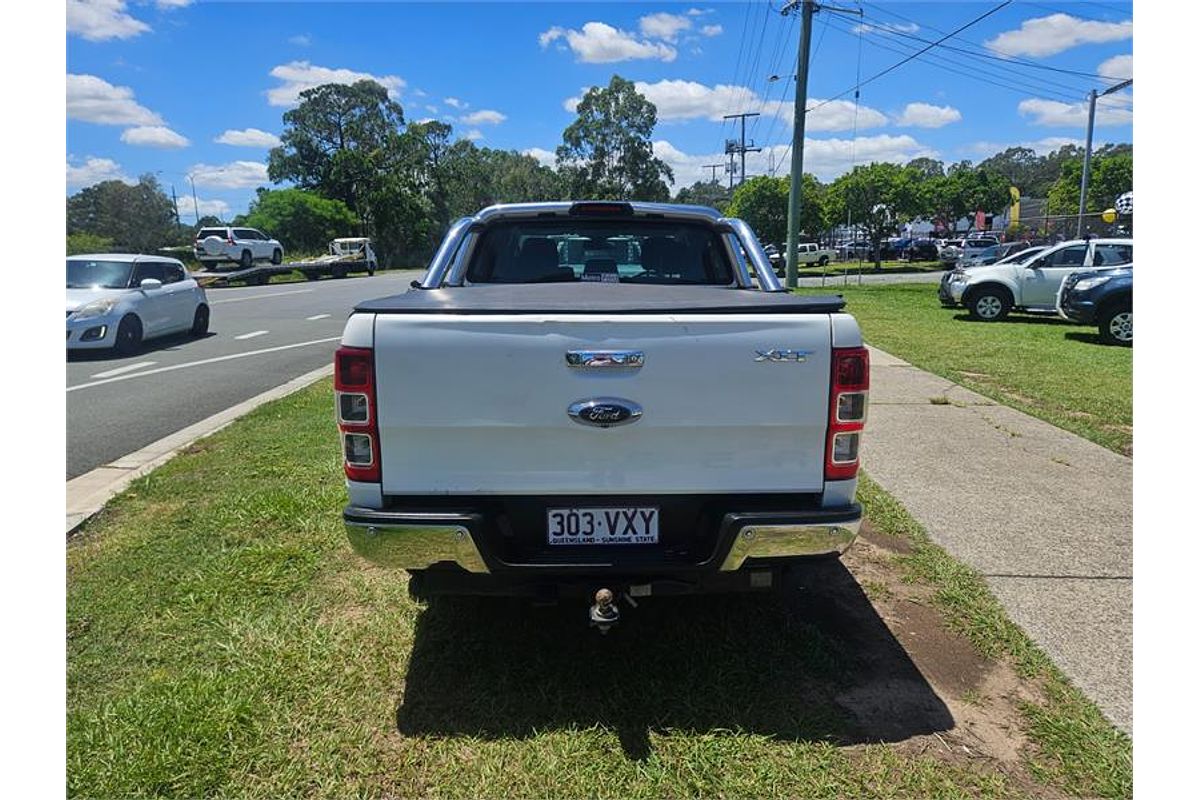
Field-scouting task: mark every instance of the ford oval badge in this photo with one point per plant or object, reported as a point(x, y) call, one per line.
point(605, 412)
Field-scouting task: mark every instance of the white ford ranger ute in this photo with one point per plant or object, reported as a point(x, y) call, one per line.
point(600, 400)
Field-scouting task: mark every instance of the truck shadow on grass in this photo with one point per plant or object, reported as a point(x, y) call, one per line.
point(812, 663)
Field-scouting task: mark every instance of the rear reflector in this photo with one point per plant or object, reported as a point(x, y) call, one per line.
point(354, 397)
point(848, 396)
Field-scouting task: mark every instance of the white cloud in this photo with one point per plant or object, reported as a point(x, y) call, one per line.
point(1111, 110)
point(93, 99)
point(1119, 67)
point(207, 208)
point(169, 4)
point(598, 43)
point(300, 40)
point(825, 158)
point(712, 30)
point(678, 100)
point(234, 175)
point(94, 170)
point(159, 136)
point(1045, 36)
point(473, 135)
point(924, 115)
point(249, 137)
point(699, 12)
point(544, 157)
point(485, 116)
point(663, 25)
point(102, 20)
point(300, 75)
point(886, 28)
point(454, 102)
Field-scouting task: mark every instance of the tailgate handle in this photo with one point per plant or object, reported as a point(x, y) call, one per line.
point(605, 359)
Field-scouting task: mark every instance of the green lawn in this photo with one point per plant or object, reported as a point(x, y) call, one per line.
point(223, 640)
point(1044, 366)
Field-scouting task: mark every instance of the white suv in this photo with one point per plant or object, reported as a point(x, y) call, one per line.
point(238, 246)
point(990, 292)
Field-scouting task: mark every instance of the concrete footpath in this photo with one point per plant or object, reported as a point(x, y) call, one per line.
point(1044, 515)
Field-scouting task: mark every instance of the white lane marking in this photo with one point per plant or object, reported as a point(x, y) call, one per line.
point(126, 368)
point(202, 362)
point(317, 316)
point(250, 335)
point(258, 296)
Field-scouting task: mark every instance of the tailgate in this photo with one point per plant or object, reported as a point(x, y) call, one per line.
point(479, 404)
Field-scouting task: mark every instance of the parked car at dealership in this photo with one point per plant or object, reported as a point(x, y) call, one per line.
point(921, 250)
point(989, 293)
point(1018, 257)
point(956, 249)
point(236, 248)
point(990, 255)
point(1101, 297)
point(117, 300)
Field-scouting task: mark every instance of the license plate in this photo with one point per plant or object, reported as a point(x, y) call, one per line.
point(572, 526)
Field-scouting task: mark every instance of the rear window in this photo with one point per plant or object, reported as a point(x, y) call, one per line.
point(601, 251)
point(207, 232)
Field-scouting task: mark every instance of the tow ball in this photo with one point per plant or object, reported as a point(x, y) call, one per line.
point(604, 612)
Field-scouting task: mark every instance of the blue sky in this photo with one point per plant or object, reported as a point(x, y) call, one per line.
point(199, 88)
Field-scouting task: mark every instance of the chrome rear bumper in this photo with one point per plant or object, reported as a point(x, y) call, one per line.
point(416, 540)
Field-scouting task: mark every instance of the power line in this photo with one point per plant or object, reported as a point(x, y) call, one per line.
point(905, 60)
point(977, 73)
point(978, 54)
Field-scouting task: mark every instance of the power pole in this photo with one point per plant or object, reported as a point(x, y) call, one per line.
point(731, 168)
point(195, 202)
point(1087, 151)
point(732, 147)
point(807, 9)
point(714, 168)
point(175, 203)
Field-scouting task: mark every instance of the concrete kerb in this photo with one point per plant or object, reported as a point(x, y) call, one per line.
point(89, 493)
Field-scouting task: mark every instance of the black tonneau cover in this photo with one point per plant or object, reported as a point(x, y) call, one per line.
point(599, 298)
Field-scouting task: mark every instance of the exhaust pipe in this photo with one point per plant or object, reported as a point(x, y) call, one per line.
point(604, 613)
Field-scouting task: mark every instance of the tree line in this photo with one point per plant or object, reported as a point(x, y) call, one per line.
point(357, 166)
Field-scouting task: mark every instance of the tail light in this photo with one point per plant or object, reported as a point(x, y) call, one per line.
point(230, 235)
point(354, 395)
point(848, 394)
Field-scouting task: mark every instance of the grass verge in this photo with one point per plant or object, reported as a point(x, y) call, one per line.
point(1076, 748)
point(223, 640)
point(1045, 366)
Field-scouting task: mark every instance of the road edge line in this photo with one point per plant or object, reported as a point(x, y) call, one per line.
point(87, 494)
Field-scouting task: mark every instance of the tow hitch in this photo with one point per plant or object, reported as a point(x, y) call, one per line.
point(604, 612)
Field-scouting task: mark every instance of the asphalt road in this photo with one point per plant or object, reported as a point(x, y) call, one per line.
point(260, 337)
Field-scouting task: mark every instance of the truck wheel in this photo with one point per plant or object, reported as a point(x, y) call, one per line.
point(277, 256)
point(988, 304)
point(1116, 325)
point(823, 261)
point(247, 260)
point(129, 336)
point(370, 268)
point(200, 321)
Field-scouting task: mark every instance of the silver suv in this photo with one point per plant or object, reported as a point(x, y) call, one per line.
point(241, 247)
point(990, 292)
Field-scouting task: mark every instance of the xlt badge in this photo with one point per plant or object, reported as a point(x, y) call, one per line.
point(775, 354)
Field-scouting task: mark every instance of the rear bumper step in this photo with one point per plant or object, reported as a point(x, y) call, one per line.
point(417, 540)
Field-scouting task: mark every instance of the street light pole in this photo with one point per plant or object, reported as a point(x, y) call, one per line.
point(195, 202)
point(1087, 151)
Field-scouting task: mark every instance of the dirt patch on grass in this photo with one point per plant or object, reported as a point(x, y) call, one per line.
point(982, 696)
